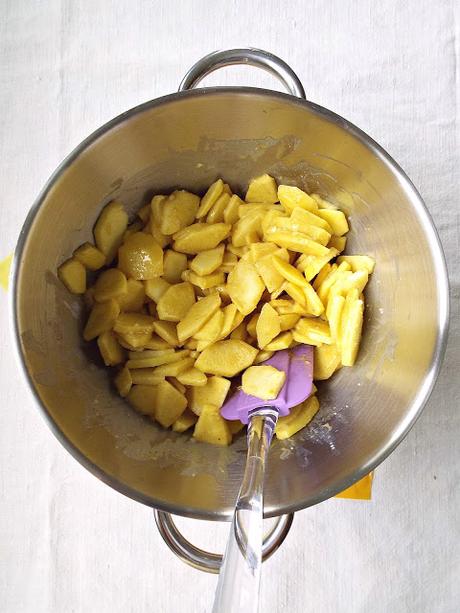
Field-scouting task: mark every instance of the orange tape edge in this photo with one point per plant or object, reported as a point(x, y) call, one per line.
point(361, 490)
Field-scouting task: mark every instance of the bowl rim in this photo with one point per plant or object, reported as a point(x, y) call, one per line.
point(442, 284)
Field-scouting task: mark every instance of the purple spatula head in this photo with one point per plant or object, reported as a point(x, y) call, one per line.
point(297, 363)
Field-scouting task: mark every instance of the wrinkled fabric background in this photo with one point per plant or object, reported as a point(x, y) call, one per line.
point(68, 543)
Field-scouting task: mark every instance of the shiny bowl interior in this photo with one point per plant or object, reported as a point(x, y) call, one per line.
point(187, 140)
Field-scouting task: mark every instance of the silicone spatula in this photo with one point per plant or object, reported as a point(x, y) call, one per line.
point(239, 579)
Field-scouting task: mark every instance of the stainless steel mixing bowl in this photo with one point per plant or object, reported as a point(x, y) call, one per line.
point(186, 140)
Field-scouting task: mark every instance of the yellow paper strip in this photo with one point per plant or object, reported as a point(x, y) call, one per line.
point(361, 490)
point(5, 271)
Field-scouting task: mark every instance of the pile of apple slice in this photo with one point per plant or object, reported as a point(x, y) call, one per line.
point(197, 290)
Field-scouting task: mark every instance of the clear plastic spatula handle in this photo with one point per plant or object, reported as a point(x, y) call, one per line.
point(239, 579)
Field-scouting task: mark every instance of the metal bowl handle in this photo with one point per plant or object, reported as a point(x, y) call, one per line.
point(253, 57)
point(211, 562)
